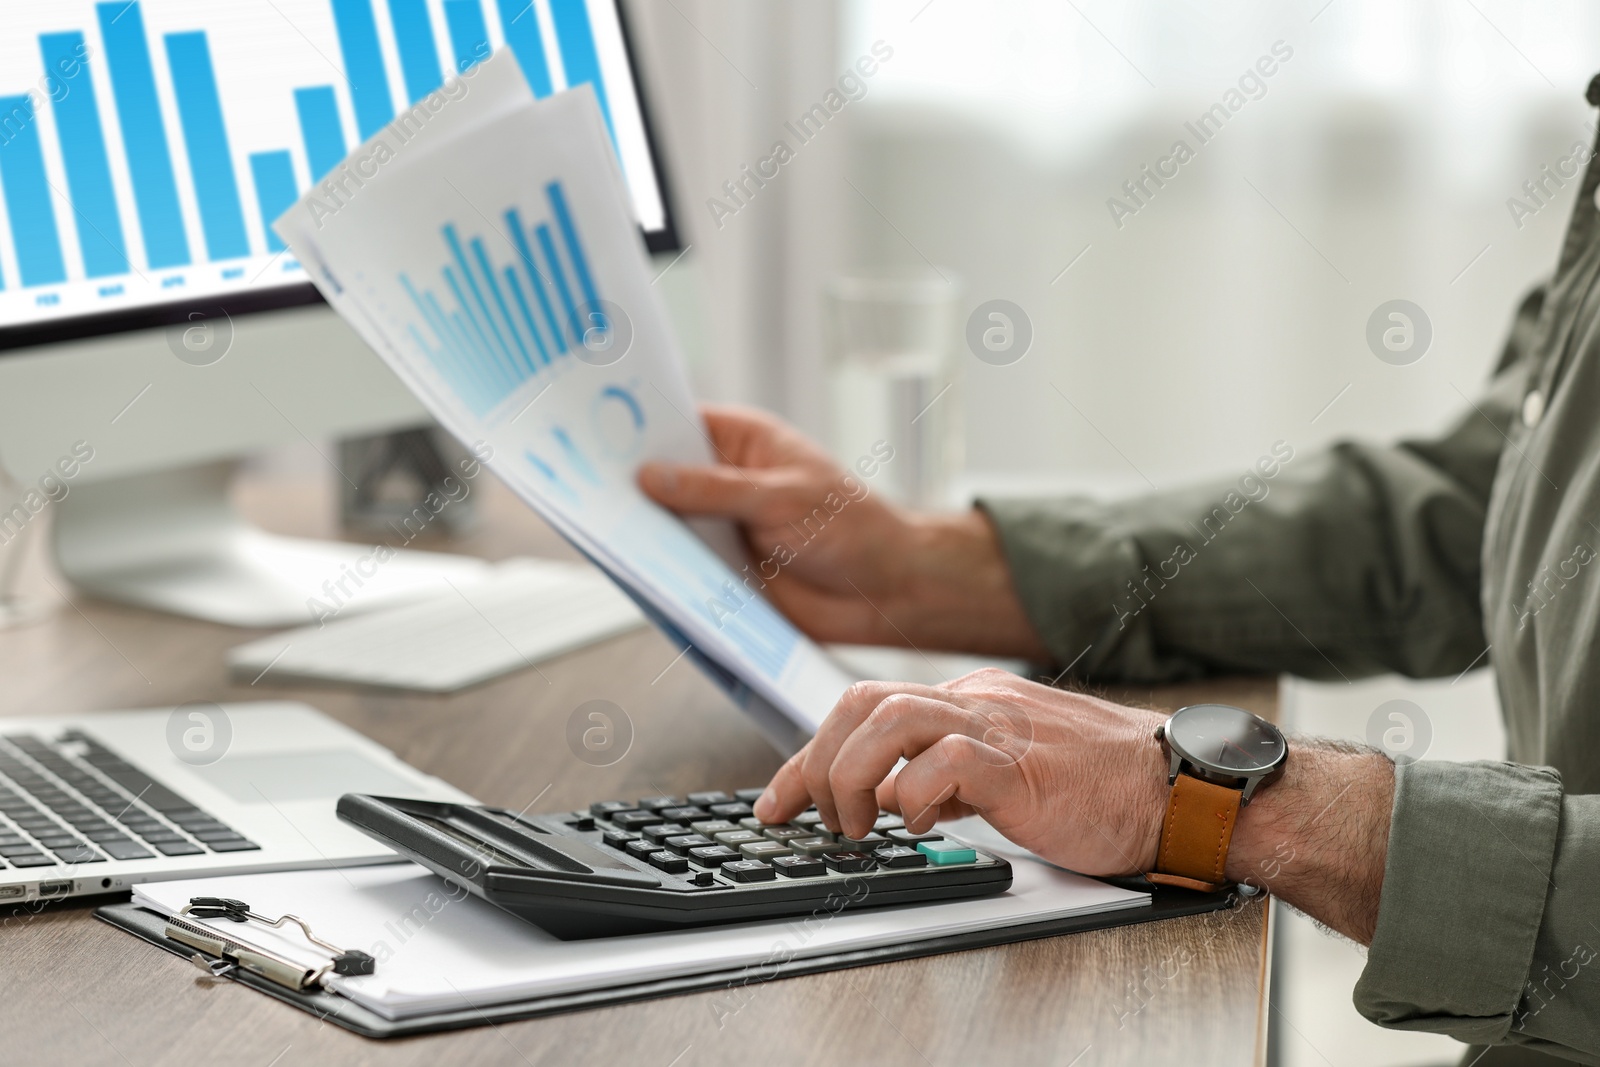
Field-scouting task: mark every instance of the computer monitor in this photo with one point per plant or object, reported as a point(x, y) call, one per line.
point(152, 326)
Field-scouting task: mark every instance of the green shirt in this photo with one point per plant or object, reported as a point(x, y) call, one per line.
point(1425, 558)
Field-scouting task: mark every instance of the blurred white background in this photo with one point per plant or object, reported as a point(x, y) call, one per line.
point(1229, 312)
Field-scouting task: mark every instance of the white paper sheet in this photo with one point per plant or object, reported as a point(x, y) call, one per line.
point(439, 948)
point(490, 258)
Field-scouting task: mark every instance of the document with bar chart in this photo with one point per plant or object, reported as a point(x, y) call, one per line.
point(492, 262)
point(145, 144)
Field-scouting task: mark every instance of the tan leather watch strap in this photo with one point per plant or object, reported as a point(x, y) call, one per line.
point(1196, 834)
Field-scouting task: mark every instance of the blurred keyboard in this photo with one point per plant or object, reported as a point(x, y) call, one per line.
point(526, 611)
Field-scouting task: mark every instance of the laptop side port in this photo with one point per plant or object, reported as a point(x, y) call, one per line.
point(55, 889)
point(11, 892)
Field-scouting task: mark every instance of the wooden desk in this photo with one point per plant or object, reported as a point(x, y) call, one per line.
point(73, 990)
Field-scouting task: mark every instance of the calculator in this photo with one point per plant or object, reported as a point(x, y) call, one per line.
point(666, 863)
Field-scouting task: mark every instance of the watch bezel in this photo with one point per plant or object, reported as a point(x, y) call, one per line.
point(1205, 770)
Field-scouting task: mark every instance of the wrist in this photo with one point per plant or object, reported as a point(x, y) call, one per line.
point(958, 587)
point(1319, 836)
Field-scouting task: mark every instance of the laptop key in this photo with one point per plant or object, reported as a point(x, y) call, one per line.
point(177, 848)
point(17, 850)
point(207, 836)
point(125, 850)
point(79, 854)
point(236, 845)
point(31, 859)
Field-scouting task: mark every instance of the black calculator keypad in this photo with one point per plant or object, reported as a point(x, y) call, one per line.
point(661, 862)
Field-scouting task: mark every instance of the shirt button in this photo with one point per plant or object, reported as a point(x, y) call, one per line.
point(1532, 409)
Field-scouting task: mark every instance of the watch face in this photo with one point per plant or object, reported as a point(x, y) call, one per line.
point(1226, 740)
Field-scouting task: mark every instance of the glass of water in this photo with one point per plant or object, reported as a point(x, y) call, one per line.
point(892, 382)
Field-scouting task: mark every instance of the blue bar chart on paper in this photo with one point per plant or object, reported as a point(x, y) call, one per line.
point(496, 316)
point(146, 146)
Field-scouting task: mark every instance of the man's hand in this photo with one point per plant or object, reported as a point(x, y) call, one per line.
point(1077, 780)
point(840, 561)
point(1082, 782)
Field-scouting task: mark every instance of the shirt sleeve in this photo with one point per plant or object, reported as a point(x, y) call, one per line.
point(1354, 560)
point(1489, 924)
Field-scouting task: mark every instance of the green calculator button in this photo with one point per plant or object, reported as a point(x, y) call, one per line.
point(942, 853)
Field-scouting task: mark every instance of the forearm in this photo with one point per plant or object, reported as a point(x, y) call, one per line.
point(1318, 837)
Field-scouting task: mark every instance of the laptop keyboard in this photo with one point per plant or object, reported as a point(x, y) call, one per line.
point(76, 801)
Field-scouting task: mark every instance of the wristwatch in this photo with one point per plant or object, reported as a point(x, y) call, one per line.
point(1220, 756)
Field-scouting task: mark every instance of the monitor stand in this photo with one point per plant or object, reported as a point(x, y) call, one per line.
point(172, 541)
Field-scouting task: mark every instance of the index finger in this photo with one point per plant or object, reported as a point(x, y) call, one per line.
point(806, 774)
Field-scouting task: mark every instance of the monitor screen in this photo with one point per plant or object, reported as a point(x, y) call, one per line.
point(145, 145)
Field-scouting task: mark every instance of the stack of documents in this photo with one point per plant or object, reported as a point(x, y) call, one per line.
point(486, 249)
point(439, 948)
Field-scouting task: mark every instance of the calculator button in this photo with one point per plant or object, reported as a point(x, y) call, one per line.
point(887, 822)
point(863, 844)
point(657, 803)
point(897, 856)
point(705, 800)
point(753, 823)
point(683, 844)
point(663, 830)
point(943, 853)
point(583, 823)
point(799, 866)
point(684, 814)
point(906, 837)
point(749, 796)
point(762, 850)
point(848, 862)
point(635, 820)
point(738, 837)
point(712, 855)
point(811, 846)
point(607, 808)
point(702, 878)
point(618, 838)
point(736, 809)
point(666, 861)
point(712, 826)
point(807, 818)
point(642, 849)
point(748, 871)
point(784, 833)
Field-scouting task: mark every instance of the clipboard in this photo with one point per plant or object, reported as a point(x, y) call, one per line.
point(1166, 903)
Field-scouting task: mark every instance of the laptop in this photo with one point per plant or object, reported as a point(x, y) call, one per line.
point(97, 803)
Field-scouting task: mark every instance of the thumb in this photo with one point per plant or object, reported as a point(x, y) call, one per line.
point(718, 491)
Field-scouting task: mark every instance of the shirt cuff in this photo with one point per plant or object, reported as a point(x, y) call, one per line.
point(1471, 850)
point(1069, 569)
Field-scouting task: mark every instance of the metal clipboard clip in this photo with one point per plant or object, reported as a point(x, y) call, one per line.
point(230, 954)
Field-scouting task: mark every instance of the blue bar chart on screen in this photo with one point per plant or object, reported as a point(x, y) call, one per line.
point(494, 265)
point(147, 145)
